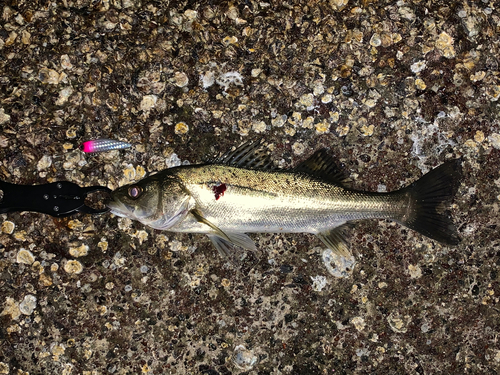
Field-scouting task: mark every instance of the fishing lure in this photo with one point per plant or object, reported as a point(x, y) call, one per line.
point(102, 145)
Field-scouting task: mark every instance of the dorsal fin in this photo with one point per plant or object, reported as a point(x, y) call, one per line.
point(322, 165)
point(249, 155)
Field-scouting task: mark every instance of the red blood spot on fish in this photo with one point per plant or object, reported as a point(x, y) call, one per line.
point(219, 190)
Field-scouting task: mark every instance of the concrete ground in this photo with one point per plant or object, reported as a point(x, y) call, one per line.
point(393, 88)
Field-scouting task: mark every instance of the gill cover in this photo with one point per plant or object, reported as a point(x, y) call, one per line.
point(175, 201)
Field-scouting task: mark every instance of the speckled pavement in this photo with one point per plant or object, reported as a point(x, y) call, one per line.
point(393, 88)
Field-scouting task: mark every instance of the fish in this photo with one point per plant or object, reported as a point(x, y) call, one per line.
point(103, 144)
point(242, 192)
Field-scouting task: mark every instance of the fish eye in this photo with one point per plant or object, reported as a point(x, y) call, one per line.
point(134, 192)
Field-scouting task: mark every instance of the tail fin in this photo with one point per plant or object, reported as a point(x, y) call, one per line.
point(429, 198)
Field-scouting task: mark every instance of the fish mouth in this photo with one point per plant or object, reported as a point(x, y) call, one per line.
point(118, 208)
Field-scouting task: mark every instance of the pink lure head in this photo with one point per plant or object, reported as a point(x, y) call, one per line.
point(88, 146)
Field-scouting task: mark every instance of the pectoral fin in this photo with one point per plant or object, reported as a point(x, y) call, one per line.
point(201, 219)
point(336, 240)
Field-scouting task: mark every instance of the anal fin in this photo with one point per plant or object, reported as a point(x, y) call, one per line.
point(336, 240)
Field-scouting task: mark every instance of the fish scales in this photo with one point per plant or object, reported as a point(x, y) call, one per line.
point(278, 201)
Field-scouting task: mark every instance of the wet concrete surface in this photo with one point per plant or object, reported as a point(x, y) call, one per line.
point(392, 88)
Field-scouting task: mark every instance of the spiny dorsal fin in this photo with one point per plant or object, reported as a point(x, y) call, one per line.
point(249, 155)
point(322, 165)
